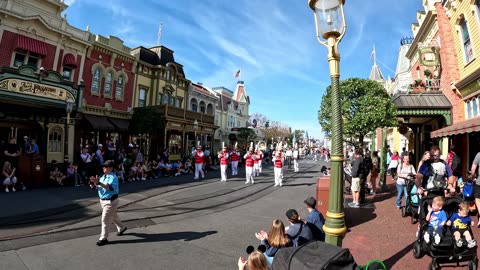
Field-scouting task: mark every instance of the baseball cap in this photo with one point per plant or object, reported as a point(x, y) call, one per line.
point(100, 145)
point(109, 163)
point(311, 202)
point(130, 145)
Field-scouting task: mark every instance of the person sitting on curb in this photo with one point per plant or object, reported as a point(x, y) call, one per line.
point(275, 240)
point(298, 232)
point(256, 261)
point(315, 219)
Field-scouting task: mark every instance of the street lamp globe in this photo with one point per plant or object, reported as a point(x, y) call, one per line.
point(329, 17)
point(195, 125)
point(69, 107)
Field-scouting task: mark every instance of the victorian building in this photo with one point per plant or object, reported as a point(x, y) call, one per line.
point(232, 112)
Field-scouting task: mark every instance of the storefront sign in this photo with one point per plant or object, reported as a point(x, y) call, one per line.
point(208, 129)
point(35, 89)
point(174, 124)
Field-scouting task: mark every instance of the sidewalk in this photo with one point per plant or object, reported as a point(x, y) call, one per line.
point(382, 233)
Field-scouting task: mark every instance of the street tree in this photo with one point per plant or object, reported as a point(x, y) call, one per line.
point(246, 135)
point(366, 105)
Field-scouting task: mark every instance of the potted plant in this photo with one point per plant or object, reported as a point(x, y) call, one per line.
point(417, 85)
point(427, 73)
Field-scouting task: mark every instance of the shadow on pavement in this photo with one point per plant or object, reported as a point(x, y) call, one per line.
point(397, 256)
point(357, 216)
point(146, 237)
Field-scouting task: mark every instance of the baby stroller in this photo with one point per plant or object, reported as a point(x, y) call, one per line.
point(466, 191)
point(446, 251)
point(347, 175)
point(412, 201)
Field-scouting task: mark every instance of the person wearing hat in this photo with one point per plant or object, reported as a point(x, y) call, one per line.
point(107, 186)
point(249, 161)
point(199, 157)
point(235, 157)
point(99, 154)
point(223, 157)
point(315, 219)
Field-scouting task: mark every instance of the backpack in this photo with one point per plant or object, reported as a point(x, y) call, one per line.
point(468, 190)
point(367, 166)
point(456, 163)
point(437, 181)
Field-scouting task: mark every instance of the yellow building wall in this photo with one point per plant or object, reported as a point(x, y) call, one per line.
point(470, 13)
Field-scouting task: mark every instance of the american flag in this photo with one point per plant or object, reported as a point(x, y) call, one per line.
point(237, 74)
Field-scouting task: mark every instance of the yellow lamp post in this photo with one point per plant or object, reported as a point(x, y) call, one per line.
point(68, 108)
point(330, 28)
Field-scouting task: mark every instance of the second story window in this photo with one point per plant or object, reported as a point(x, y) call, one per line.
point(119, 89)
point(141, 97)
point(96, 81)
point(194, 107)
point(467, 44)
point(166, 98)
point(172, 101)
point(23, 57)
point(107, 88)
point(168, 76)
point(179, 103)
point(67, 73)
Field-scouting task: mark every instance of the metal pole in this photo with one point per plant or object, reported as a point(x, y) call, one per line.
point(335, 223)
point(383, 159)
point(65, 150)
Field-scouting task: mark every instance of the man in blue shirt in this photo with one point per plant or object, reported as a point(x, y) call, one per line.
point(434, 172)
point(315, 219)
point(107, 186)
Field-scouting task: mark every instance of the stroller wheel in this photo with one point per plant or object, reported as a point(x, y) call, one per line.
point(432, 266)
point(413, 220)
point(404, 211)
point(417, 250)
point(472, 265)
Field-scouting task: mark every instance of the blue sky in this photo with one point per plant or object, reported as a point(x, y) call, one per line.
point(273, 42)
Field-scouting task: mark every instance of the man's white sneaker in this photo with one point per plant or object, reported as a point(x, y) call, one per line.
point(247, 182)
point(6, 190)
point(253, 181)
point(13, 189)
point(195, 178)
point(276, 185)
point(280, 184)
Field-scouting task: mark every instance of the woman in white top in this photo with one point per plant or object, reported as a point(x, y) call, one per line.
point(404, 170)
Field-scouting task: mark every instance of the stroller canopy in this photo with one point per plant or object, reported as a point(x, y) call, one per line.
point(314, 255)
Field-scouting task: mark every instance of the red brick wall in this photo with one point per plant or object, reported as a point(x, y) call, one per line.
point(100, 100)
point(8, 46)
point(47, 61)
point(449, 66)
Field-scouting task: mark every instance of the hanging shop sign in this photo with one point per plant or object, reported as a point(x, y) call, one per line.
point(35, 89)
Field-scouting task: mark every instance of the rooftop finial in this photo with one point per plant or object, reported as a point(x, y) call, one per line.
point(406, 40)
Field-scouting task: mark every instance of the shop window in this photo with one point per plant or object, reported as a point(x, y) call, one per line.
point(469, 109)
point(172, 101)
point(467, 44)
point(67, 73)
point(141, 97)
point(107, 88)
point(97, 76)
point(55, 140)
point(119, 88)
point(175, 144)
point(179, 103)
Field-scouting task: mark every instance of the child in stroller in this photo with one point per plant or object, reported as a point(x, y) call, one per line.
point(446, 250)
point(460, 223)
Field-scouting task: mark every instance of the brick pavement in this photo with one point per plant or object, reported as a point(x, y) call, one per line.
point(380, 232)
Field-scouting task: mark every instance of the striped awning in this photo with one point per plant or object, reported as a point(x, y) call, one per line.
point(32, 45)
point(467, 126)
point(69, 60)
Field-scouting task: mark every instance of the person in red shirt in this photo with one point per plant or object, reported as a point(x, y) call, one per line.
point(249, 160)
point(199, 157)
point(256, 163)
point(278, 166)
point(223, 157)
point(235, 157)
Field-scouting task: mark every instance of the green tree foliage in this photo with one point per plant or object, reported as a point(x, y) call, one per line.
point(246, 135)
point(145, 120)
point(365, 107)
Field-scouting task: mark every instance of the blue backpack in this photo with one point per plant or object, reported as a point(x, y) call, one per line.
point(468, 190)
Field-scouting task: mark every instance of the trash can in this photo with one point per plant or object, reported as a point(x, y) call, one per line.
point(38, 171)
point(323, 190)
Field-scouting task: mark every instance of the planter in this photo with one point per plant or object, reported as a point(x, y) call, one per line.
point(418, 89)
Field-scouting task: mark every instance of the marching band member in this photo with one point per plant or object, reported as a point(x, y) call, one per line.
point(260, 160)
point(223, 157)
point(295, 159)
point(278, 166)
point(256, 170)
point(235, 157)
point(249, 160)
point(199, 156)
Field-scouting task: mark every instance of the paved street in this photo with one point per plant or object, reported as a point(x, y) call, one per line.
point(178, 223)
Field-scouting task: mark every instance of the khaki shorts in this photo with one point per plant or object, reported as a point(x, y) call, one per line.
point(355, 184)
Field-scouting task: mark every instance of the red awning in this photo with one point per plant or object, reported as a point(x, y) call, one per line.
point(467, 126)
point(32, 45)
point(69, 60)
